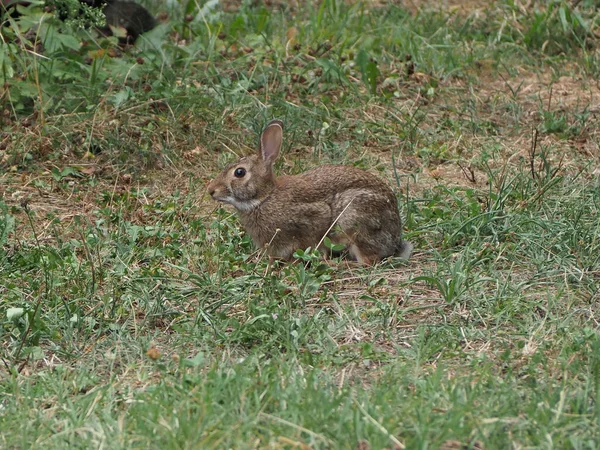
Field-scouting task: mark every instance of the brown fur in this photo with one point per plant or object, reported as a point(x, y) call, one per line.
point(352, 206)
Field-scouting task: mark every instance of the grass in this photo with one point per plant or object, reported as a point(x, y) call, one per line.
point(135, 312)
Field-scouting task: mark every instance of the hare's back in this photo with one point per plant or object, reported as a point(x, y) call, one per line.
point(335, 179)
point(330, 185)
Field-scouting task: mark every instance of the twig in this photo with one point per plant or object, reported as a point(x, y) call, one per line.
point(532, 153)
point(468, 172)
point(91, 260)
point(31, 323)
point(381, 428)
point(24, 363)
point(334, 222)
point(5, 364)
point(293, 425)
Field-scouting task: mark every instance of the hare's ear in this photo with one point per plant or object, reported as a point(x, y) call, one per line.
point(270, 141)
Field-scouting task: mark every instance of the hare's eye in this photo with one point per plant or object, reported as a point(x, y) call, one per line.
point(239, 172)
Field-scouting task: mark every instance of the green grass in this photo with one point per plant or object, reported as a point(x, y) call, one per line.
point(134, 312)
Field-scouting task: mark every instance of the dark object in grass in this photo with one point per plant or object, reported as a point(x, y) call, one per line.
point(352, 207)
point(134, 18)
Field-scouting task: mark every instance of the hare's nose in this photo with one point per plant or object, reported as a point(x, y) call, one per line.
point(211, 189)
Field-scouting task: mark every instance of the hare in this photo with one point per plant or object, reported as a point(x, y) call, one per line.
point(349, 205)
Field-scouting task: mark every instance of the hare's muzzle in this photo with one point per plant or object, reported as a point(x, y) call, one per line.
point(212, 188)
point(211, 191)
point(216, 190)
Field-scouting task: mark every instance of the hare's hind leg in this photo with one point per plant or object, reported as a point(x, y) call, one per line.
point(372, 228)
point(362, 257)
point(368, 249)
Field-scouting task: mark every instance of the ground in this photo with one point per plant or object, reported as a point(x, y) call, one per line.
point(134, 311)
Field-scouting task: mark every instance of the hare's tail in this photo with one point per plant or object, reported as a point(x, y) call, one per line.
point(404, 249)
